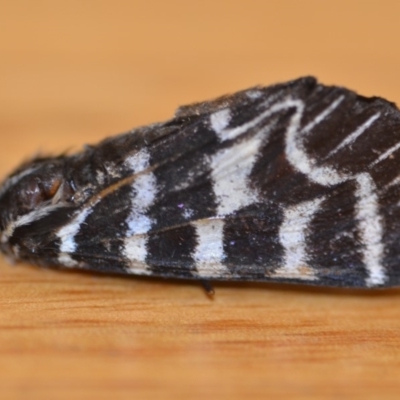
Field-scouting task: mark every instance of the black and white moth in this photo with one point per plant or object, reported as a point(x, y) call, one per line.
point(296, 182)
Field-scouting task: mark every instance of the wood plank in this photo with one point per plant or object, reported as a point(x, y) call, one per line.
point(74, 72)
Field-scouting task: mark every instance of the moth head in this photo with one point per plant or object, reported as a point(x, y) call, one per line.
point(35, 191)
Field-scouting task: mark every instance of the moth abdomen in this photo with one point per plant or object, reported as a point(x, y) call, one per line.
point(296, 182)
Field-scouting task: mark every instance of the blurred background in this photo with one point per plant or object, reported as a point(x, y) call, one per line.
point(73, 72)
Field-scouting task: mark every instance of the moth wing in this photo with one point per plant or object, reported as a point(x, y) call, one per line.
point(264, 185)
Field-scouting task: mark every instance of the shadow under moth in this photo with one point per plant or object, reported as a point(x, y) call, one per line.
point(295, 182)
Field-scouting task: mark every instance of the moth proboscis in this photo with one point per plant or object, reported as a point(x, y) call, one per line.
point(295, 182)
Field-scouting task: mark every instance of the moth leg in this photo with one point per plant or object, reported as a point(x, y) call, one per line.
point(208, 287)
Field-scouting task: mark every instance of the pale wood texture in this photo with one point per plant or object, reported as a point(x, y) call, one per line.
point(72, 72)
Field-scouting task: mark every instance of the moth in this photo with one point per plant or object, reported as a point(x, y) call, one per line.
point(295, 182)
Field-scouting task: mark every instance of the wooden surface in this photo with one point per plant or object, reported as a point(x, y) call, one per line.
point(72, 72)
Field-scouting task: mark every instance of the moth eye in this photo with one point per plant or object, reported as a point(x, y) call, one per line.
point(32, 193)
point(36, 191)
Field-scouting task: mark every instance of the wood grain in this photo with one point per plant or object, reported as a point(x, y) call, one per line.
point(74, 72)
